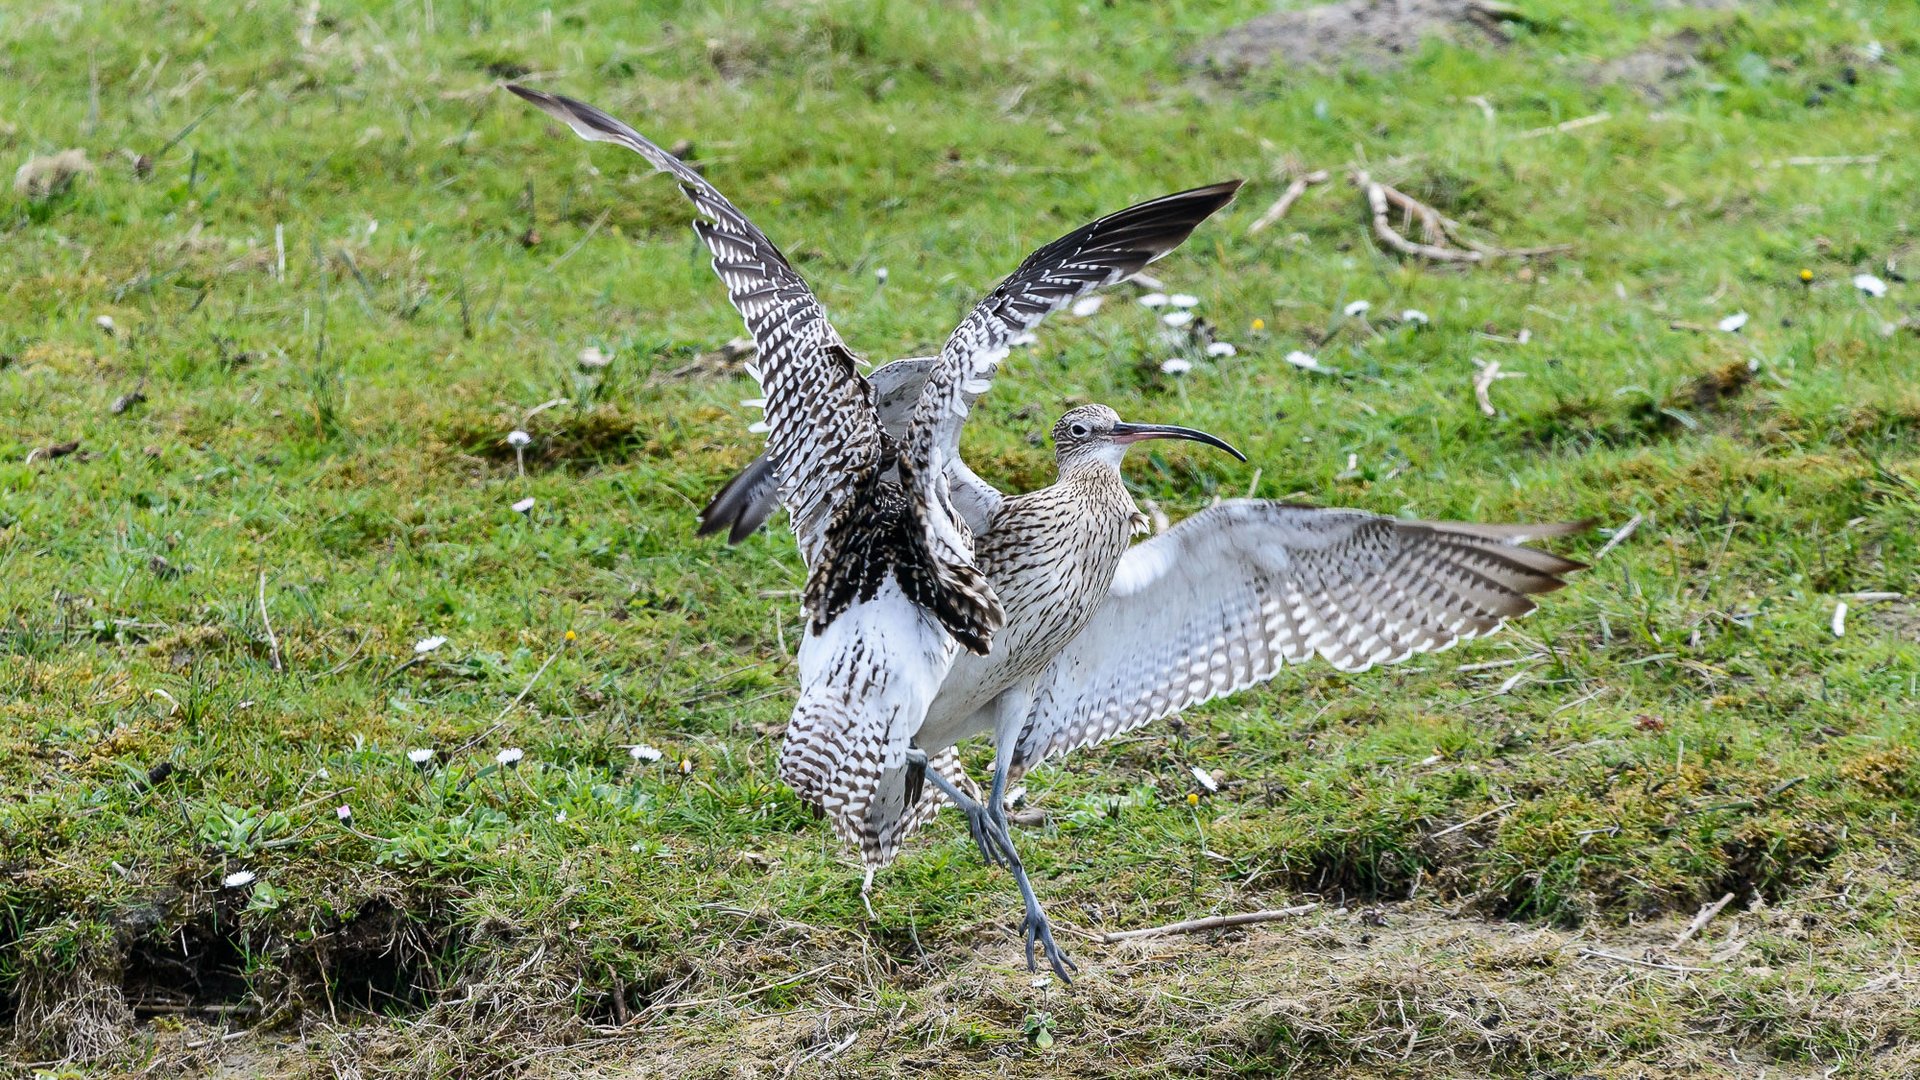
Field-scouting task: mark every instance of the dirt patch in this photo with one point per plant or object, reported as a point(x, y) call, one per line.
point(1656, 71)
point(1372, 35)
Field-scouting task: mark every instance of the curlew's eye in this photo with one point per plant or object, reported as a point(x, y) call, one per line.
point(1078, 431)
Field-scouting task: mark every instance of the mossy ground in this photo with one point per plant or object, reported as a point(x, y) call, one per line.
point(340, 265)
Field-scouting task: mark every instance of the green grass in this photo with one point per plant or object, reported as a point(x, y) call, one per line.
point(1689, 724)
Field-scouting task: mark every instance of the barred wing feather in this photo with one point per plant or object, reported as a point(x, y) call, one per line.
point(1226, 598)
point(823, 436)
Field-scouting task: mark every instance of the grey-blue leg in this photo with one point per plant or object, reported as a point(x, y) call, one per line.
point(980, 823)
point(1010, 717)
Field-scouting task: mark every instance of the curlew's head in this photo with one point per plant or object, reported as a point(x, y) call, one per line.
point(1095, 435)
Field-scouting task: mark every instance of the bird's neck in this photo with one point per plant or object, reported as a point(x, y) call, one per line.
point(1099, 484)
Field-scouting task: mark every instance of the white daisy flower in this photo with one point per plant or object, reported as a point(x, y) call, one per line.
point(1204, 778)
point(1870, 285)
point(523, 505)
point(518, 439)
point(1221, 348)
point(645, 753)
point(1154, 299)
point(1732, 323)
point(343, 812)
point(509, 757)
point(239, 879)
point(1177, 319)
point(592, 357)
point(427, 644)
point(1358, 308)
point(1174, 365)
point(1087, 305)
point(1414, 316)
point(880, 274)
point(105, 323)
point(1025, 337)
point(1184, 300)
point(560, 818)
point(1304, 361)
point(420, 755)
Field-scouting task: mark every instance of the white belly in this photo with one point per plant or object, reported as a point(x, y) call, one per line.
point(866, 682)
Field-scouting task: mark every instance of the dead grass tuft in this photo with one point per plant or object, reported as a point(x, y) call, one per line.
point(70, 1005)
point(52, 175)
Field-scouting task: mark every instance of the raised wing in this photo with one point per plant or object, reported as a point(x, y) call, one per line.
point(1111, 249)
point(1115, 247)
point(1226, 598)
point(823, 435)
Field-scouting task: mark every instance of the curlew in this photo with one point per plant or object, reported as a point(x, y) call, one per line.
point(883, 508)
point(939, 608)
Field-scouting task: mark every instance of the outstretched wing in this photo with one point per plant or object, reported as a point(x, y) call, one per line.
point(1226, 598)
point(1115, 247)
point(823, 435)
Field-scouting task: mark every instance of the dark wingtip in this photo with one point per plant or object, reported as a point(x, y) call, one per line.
point(529, 94)
point(742, 504)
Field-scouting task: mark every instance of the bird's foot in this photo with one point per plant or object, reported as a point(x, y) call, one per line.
point(987, 835)
point(1039, 931)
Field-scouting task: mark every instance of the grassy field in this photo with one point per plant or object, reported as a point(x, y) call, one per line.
point(319, 265)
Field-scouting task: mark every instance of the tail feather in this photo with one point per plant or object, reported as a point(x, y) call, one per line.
point(897, 811)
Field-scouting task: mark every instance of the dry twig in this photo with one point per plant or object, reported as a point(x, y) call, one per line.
point(1376, 193)
point(1570, 125)
point(1483, 384)
point(1619, 537)
point(1475, 819)
point(1679, 969)
point(273, 643)
point(1216, 922)
point(1445, 238)
point(1287, 198)
point(1701, 920)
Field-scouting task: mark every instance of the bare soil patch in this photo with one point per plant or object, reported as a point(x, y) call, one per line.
point(1371, 35)
point(1656, 70)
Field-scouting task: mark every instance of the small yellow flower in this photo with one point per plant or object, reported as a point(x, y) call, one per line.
point(571, 636)
point(1193, 798)
point(1806, 276)
point(1259, 324)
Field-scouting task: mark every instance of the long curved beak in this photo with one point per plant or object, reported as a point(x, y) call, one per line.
point(1133, 433)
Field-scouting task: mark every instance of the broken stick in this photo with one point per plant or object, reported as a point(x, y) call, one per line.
point(1701, 920)
point(1217, 922)
point(1287, 198)
point(1376, 193)
point(1445, 238)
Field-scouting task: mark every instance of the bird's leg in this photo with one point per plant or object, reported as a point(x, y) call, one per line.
point(1011, 717)
point(980, 823)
